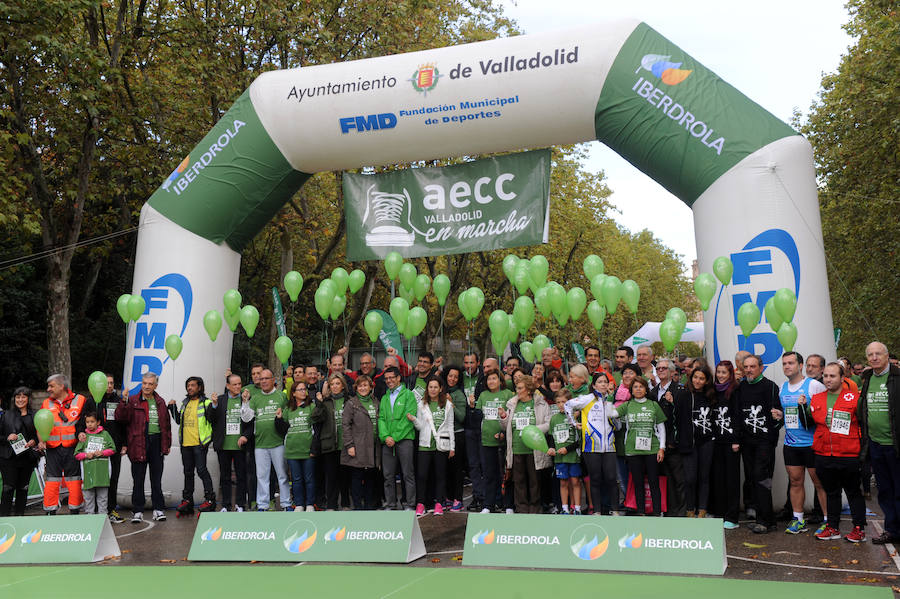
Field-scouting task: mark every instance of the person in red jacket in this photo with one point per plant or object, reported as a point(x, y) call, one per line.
point(836, 443)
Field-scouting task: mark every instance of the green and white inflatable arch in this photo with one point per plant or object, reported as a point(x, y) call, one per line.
point(748, 177)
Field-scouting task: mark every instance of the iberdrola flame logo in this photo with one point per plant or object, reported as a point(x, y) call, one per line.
point(589, 542)
point(632, 541)
point(665, 70)
point(6, 541)
point(298, 543)
point(336, 534)
point(483, 537)
point(212, 534)
point(33, 536)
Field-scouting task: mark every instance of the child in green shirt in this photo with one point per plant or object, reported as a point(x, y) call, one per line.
point(565, 457)
point(93, 453)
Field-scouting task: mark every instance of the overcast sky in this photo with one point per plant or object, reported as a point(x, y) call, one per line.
point(775, 52)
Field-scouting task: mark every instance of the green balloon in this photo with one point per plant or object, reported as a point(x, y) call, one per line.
point(415, 322)
point(670, 333)
point(576, 300)
point(357, 280)
point(748, 317)
point(462, 300)
point(498, 343)
point(174, 346)
point(597, 287)
point(557, 296)
point(538, 268)
point(421, 286)
point(232, 319)
point(786, 304)
point(283, 348)
point(392, 263)
point(612, 294)
point(596, 314)
point(232, 301)
point(787, 335)
point(122, 307)
point(249, 319)
point(523, 313)
point(408, 275)
point(330, 286)
point(136, 307)
point(341, 280)
point(441, 288)
point(373, 324)
point(43, 422)
point(677, 316)
point(509, 267)
point(705, 289)
point(498, 323)
point(534, 439)
point(212, 322)
point(293, 284)
point(527, 351)
point(476, 301)
point(324, 298)
point(562, 317)
point(512, 333)
point(542, 301)
point(522, 277)
point(399, 311)
point(337, 306)
point(408, 294)
point(97, 385)
point(723, 268)
point(593, 266)
point(772, 316)
point(540, 343)
point(631, 293)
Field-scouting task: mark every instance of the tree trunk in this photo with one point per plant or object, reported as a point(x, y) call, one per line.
point(58, 351)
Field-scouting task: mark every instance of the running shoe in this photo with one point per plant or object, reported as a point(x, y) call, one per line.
point(728, 525)
point(883, 538)
point(420, 510)
point(857, 535)
point(822, 527)
point(115, 518)
point(830, 533)
point(159, 515)
point(486, 510)
point(457, 506)
point(576, 512)
point(565, 512)
point(438, 509)
point(796, 527)
point(137, 517)
point(761, 529)
point(509, 510)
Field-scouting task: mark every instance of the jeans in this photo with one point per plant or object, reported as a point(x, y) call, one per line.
point(115, 468)
point(193, 457)
point(601, 468)
point(759, 467)
point(364, 483)
point(96, 500)
point(399, 456)
point(641, 466)
point(473, 457)
point(886, 468)
point(428, 462)
point(265, 459)
point(697, 466)
point(490, 467)
point(456, 468)
point(155, 460)
point(841, 474)
point(239, 458)
point(331, 462)
point(303, 481)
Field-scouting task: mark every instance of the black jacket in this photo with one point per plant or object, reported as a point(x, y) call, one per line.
point(727, 419)
point(113, 427)
point(757, 401)
point(668, 409)
point(862, 410)
point(693, 419)
point(218, 417)
point(11, 422)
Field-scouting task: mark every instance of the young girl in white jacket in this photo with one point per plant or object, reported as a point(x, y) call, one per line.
point(434, 421)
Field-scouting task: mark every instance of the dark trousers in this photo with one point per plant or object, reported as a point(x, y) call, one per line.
point(490, 468)
point(456, 468)
point(139, 472)
point(726, 482)
point(886, 467)
point(331, 464)
point(528, 488)
point(303, 481)
point(399, 458)
point(431, 462)
point(249, 449)
point(16, 475)
point(759, 467)
point(640, 466)
point(194, 458)
point(672, 467)
point(473, 458)
point(364, 485)
point(601, 468)
point(238, 458)
point(697, 466)
point(115, 468)
point(841, 474)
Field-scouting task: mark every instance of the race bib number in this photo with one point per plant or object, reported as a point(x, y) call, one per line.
point(561, 435)
point(522, 422)
point(94, 444)
point(19, 444)
point(110, 411)
point(232, 426)
point(791, 417)
point(490, 413)
point(419, 393)
point(642, 443)
point(840, 422)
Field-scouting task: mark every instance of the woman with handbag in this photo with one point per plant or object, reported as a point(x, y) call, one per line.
point(434, 421)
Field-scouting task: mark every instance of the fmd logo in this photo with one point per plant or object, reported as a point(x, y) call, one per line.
point(371, 122)
point(169, 300)
point(765, 264)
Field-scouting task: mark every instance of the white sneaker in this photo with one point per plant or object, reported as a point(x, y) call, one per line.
point(159, 515)
point(310, 508)
point(137, 517)
point(485, 511)
point(509, 510)
point(239, 509)
point(224, 509)
point(299, 508)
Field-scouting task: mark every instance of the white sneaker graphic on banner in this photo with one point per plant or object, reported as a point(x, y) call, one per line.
point(383, 220)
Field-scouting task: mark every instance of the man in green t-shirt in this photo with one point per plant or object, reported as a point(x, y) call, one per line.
point(878, 418)
point(230, 437)
point(416, 381)
point(260, 409)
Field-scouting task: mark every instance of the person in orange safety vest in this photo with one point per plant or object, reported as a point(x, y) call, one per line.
point(68, 429)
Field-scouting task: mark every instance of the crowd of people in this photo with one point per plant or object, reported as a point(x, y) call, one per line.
point(637, 436)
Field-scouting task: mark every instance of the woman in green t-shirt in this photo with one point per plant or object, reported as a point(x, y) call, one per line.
point(522, 411)
point(492, 438)
point(330, 407)
point(300, 445)
point(645, 441)
point(437, 444)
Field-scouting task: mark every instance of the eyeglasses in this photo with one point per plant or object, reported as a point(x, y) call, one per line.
point(300, 389)
point(266, 378)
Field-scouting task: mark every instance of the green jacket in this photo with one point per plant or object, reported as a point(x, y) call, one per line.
point(393, 422)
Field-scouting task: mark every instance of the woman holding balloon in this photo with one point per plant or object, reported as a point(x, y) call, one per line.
point(488, 407)
point(17, 455)
point(521, 412)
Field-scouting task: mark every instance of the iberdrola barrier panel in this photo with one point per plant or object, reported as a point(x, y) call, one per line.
point(748, 177)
